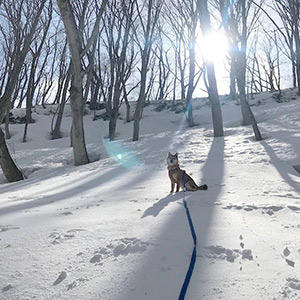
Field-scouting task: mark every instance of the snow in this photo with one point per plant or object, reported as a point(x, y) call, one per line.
point(111, 230)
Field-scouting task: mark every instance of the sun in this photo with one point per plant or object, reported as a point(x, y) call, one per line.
point(213, 47)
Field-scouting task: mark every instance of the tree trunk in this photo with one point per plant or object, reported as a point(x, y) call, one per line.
point(297, 43)
point(7, 132)
point(248, 117)
point(9, 168)
point(138, 110)
point(76, 90)
point(127, 112)
point(241, 82)
point(189, 97)
point(141, 99)
point(29, 97)
point(56, 134)
point(175, 81)
point(232, 76)
point(211, 77)
point(241, 67)
point(256, 131)
point(78, 140)
point(294, 74)
point(113, 124)
point(145, 53)
point(182, 75)
point(214, 100)
point(127, 104)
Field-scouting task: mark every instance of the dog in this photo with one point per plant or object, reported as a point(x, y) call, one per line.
point(176, 176)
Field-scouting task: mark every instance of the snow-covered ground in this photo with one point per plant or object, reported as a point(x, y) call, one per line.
point(111, 230)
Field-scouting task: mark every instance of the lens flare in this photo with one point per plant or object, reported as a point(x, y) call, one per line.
point(213, 46)
point(120, 154)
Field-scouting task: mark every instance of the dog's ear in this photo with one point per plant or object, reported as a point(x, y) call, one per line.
point(169, 154)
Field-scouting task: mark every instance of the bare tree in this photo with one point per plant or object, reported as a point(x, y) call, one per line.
point(294, 8)
point(210, 71)
point(248, 117)
point(36, 51)
point(56, 132)
point(118, 36)
point(162, 53)
point(239, 19)
point(184, 19)
point(148, 27)
point(281, 7)
point(289, 12)
point(75, 43)
point(22, 38)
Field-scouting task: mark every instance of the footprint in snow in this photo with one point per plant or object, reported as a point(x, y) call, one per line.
point(4, 228)
point(66, 213)
point(58, 238)
point(116, 248)
point(286, 251)
point(293, 283)
point(291, 288)
point(62, 276)
point(6, 288)
point(290, 262)
point(71, 285)
point(96, 258)
point(247, 254)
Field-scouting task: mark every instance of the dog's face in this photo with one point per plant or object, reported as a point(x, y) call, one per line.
point(172, 160)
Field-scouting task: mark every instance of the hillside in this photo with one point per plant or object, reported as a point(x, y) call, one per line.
point(111, 230)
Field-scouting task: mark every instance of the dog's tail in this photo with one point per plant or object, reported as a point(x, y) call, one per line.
point(202, 187)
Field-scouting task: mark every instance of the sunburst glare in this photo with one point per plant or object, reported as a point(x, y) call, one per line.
point(213, 47)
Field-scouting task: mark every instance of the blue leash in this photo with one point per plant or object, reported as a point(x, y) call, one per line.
point(193, 258)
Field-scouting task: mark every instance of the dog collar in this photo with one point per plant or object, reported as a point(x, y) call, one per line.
point(174, 169)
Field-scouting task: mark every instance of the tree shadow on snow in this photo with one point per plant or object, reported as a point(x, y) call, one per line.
point(73, 190)
point(283, 168)
point(162, 268)
point(202, 211)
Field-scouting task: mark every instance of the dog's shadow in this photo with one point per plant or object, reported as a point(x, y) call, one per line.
point(157, 207)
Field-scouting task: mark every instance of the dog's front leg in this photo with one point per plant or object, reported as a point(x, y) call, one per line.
point(177, 187)
point(172, 187)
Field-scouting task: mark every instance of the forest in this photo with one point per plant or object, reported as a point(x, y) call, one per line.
point(117, 52)
point(97, 98)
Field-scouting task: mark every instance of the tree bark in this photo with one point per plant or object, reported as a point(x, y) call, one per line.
point(211, 77)
point(76, 90)
point(7, 132)
point(297, 43)
point(10, 170)
point(190, 91)
point(56, 134)
point(141, 99)
point(247, 114)
point(145, 53)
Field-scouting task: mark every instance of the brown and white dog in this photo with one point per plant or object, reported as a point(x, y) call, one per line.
point(176, 176)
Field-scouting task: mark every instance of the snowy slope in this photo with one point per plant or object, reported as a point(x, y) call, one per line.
point(111, 230)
